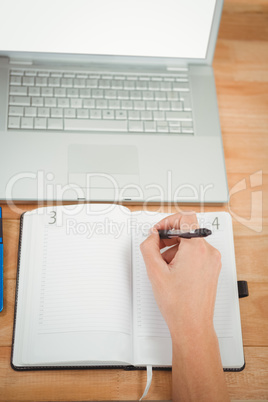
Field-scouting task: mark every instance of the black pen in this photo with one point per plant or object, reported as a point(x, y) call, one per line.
point(169, 234)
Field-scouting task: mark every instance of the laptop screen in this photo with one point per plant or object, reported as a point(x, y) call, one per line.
point(157, 28)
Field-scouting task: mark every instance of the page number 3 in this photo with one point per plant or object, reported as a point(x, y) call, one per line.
point(52, 218)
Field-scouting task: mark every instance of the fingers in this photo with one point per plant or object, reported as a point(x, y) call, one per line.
point(185, 222)
point(150, 249)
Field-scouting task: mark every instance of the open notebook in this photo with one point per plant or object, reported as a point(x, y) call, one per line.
point(83, 297)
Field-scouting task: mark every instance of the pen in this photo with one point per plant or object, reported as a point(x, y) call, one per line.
point(169, 234)
point(1, 263)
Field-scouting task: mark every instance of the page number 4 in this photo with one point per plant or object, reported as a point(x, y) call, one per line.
point(216, 223)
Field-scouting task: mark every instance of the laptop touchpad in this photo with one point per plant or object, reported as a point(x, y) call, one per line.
point(103, 166)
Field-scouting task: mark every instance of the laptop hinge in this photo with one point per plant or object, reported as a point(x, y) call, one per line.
point(24, 62)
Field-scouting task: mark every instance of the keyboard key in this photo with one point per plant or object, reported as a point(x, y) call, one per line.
point(123, 95)
point(150, 126)
point(154, 85)
point(135, 95)
point(186, 116)
point(17, 72)
point(97, 93)
point(55, 124)
point(135, 126)
point(187, 124)
point(141, 85)
point(79, 83)
point(37, 101)
point(15, 111)
point(56, 74)
point(101, 104)
point(46, 91)
point(34, 91)
point(50, 102)
point(82, 113)
point(120, 114)
point(85, 93)
point(76, 103)
point(162, 127)
point(158, 115)
point(176, 105)
point(151, 105)
point(164, 106)
point(56, 112)
point(91, 83)
point(172, 96)
point(165, 86)
point(129, 85)
point(89, 103)
point(43, 112)
point(104, 84)
point(146, 115)
point(117, 84)
point(180, 86)
point(41, 81)
point(69, 75)
point(186, 101)
point(148, 95)
point(40, 123)
point(26, 122)
point(28, 81)
point(174, 129)
point(43, 74)
point(15, 80)
point(114, 104)
point(67, 82)
point(110, 94)
point(60, 92)
point(14, 90)
point(30, 73)
point(30, 111)
point(139, 105)
point(14, 122)
point(69, 113)
point(108, 114)
point(95, 114)
point(161, 96)
point(72, 93)
point(95, 125)
point(63, 102)
point(126, 104)
point(19, 100)
point(134, 115)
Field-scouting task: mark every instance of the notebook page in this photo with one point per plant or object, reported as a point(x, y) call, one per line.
point(82, 294)
point(152, 343)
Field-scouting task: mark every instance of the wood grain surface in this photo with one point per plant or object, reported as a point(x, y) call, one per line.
point(241, 74)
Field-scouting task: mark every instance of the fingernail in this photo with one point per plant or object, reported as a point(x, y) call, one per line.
point(153, 230)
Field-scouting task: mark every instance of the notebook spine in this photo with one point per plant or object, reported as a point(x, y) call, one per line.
point(17, 289)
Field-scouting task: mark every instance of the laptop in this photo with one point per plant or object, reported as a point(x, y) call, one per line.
point(110, 101)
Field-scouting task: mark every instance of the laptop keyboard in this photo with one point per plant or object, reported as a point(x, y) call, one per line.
point(102, 102)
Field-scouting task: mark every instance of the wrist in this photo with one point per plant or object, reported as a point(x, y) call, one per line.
point(193, 335)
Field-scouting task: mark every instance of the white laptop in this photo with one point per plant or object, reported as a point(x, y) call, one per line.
point(110, 100)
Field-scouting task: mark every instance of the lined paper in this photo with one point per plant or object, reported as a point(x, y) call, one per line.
point(149, 321)
point(85, 282)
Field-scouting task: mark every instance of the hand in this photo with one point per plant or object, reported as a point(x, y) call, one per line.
point(184, 278)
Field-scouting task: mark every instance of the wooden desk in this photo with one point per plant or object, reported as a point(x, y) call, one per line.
point(241, 73)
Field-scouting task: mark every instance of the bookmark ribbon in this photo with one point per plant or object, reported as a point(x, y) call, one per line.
point(149, 381)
